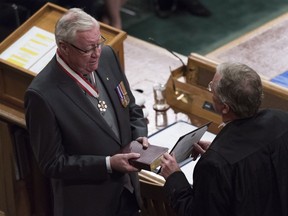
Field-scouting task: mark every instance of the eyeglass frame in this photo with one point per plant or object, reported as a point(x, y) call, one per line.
point(93, 49)
point(209, 88)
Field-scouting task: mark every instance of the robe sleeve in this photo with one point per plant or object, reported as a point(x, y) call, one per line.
point(209, 194)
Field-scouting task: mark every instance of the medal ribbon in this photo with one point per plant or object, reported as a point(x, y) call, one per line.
point(85, 85)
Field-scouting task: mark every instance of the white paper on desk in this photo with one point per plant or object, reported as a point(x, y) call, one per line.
point(41, 63)
point(168, 136)
point(29, 49)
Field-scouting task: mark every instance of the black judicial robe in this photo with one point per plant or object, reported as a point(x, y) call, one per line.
point(243, 173)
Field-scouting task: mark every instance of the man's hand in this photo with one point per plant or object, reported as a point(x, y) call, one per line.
point(199, 148)
point(169, 165)
point(143, 141)
point(120, 162)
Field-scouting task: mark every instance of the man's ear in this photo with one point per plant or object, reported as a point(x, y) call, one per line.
point(225, 109)
point(63, 47)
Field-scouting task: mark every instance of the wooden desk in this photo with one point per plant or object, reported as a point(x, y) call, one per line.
point(198, 73)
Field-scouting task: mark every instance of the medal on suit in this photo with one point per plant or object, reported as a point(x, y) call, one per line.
point(102, 106)
point(122, 94)
point(88, 86)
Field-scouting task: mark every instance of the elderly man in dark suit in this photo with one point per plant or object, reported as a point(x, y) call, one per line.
point(79, 113)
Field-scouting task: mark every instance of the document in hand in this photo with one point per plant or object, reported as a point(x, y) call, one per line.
point(150, 157)
point(183, 147)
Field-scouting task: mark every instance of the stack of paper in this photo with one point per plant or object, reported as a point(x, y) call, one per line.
point(32, 51)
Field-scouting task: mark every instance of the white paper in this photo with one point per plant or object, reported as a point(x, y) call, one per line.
point(42, 62)
point(188, 169)
point(32, 50)
point(170, 135)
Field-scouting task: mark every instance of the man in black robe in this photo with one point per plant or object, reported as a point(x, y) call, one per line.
point(244, 171)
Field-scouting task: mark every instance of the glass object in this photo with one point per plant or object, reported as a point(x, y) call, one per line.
point(160, 105)
point(161, 119)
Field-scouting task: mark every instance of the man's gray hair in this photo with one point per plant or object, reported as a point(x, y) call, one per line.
point(75, 19)
point(240, 87)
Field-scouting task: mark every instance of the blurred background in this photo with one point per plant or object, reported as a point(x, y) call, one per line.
point(178, 30)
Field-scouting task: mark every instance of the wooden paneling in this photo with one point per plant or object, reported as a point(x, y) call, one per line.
point(7, 171)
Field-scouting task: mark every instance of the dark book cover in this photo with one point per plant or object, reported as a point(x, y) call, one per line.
point(150, 157)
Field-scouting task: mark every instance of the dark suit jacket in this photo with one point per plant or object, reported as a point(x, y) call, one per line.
point(70, 139)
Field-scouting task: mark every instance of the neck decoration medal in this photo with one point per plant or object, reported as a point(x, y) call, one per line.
point(83, 83)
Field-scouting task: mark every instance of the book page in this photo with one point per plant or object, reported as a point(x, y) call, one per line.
point(32, 50)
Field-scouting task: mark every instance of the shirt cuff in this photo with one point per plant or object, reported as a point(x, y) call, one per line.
point(108, 165)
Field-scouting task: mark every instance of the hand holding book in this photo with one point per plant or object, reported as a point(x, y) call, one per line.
point(169, 165)
point(149, 157)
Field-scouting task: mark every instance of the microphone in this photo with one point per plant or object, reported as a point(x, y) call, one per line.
point(155, 42)
point(179, 95)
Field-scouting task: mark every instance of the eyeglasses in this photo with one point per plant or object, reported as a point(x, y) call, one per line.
point(99, 45)
point(209, 87)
